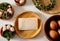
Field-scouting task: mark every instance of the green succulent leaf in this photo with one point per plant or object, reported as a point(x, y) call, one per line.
point(5, 15)
point(3, 6)
point(8, 35)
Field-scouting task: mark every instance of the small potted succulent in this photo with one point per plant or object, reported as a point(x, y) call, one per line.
point(6, 11)
point(8, 31)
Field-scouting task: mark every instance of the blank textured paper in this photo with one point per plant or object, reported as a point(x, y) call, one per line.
point(28, 23)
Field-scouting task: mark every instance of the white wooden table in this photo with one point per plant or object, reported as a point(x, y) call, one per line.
point(29, 6)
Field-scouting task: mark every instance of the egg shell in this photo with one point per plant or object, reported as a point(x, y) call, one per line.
point(8, 27)
point(12, 29)
point(53, 25)
point(59, 22)
point(9, 10)
point(9, 6)
point(4, 28)
point(53, 34)
point(21, 1)
point(59, 31)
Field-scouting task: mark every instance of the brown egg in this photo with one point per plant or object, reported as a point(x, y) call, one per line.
point(53, 25)
point(59, 22)
point(53, 34)
point(59, 31)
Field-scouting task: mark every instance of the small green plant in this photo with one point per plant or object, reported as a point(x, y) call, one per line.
point(8, 34)
point(3, 6)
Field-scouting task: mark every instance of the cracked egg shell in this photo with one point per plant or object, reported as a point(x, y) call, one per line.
point(9, 10)
point(4, 28)
point(12, 29)
point(8, 27)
